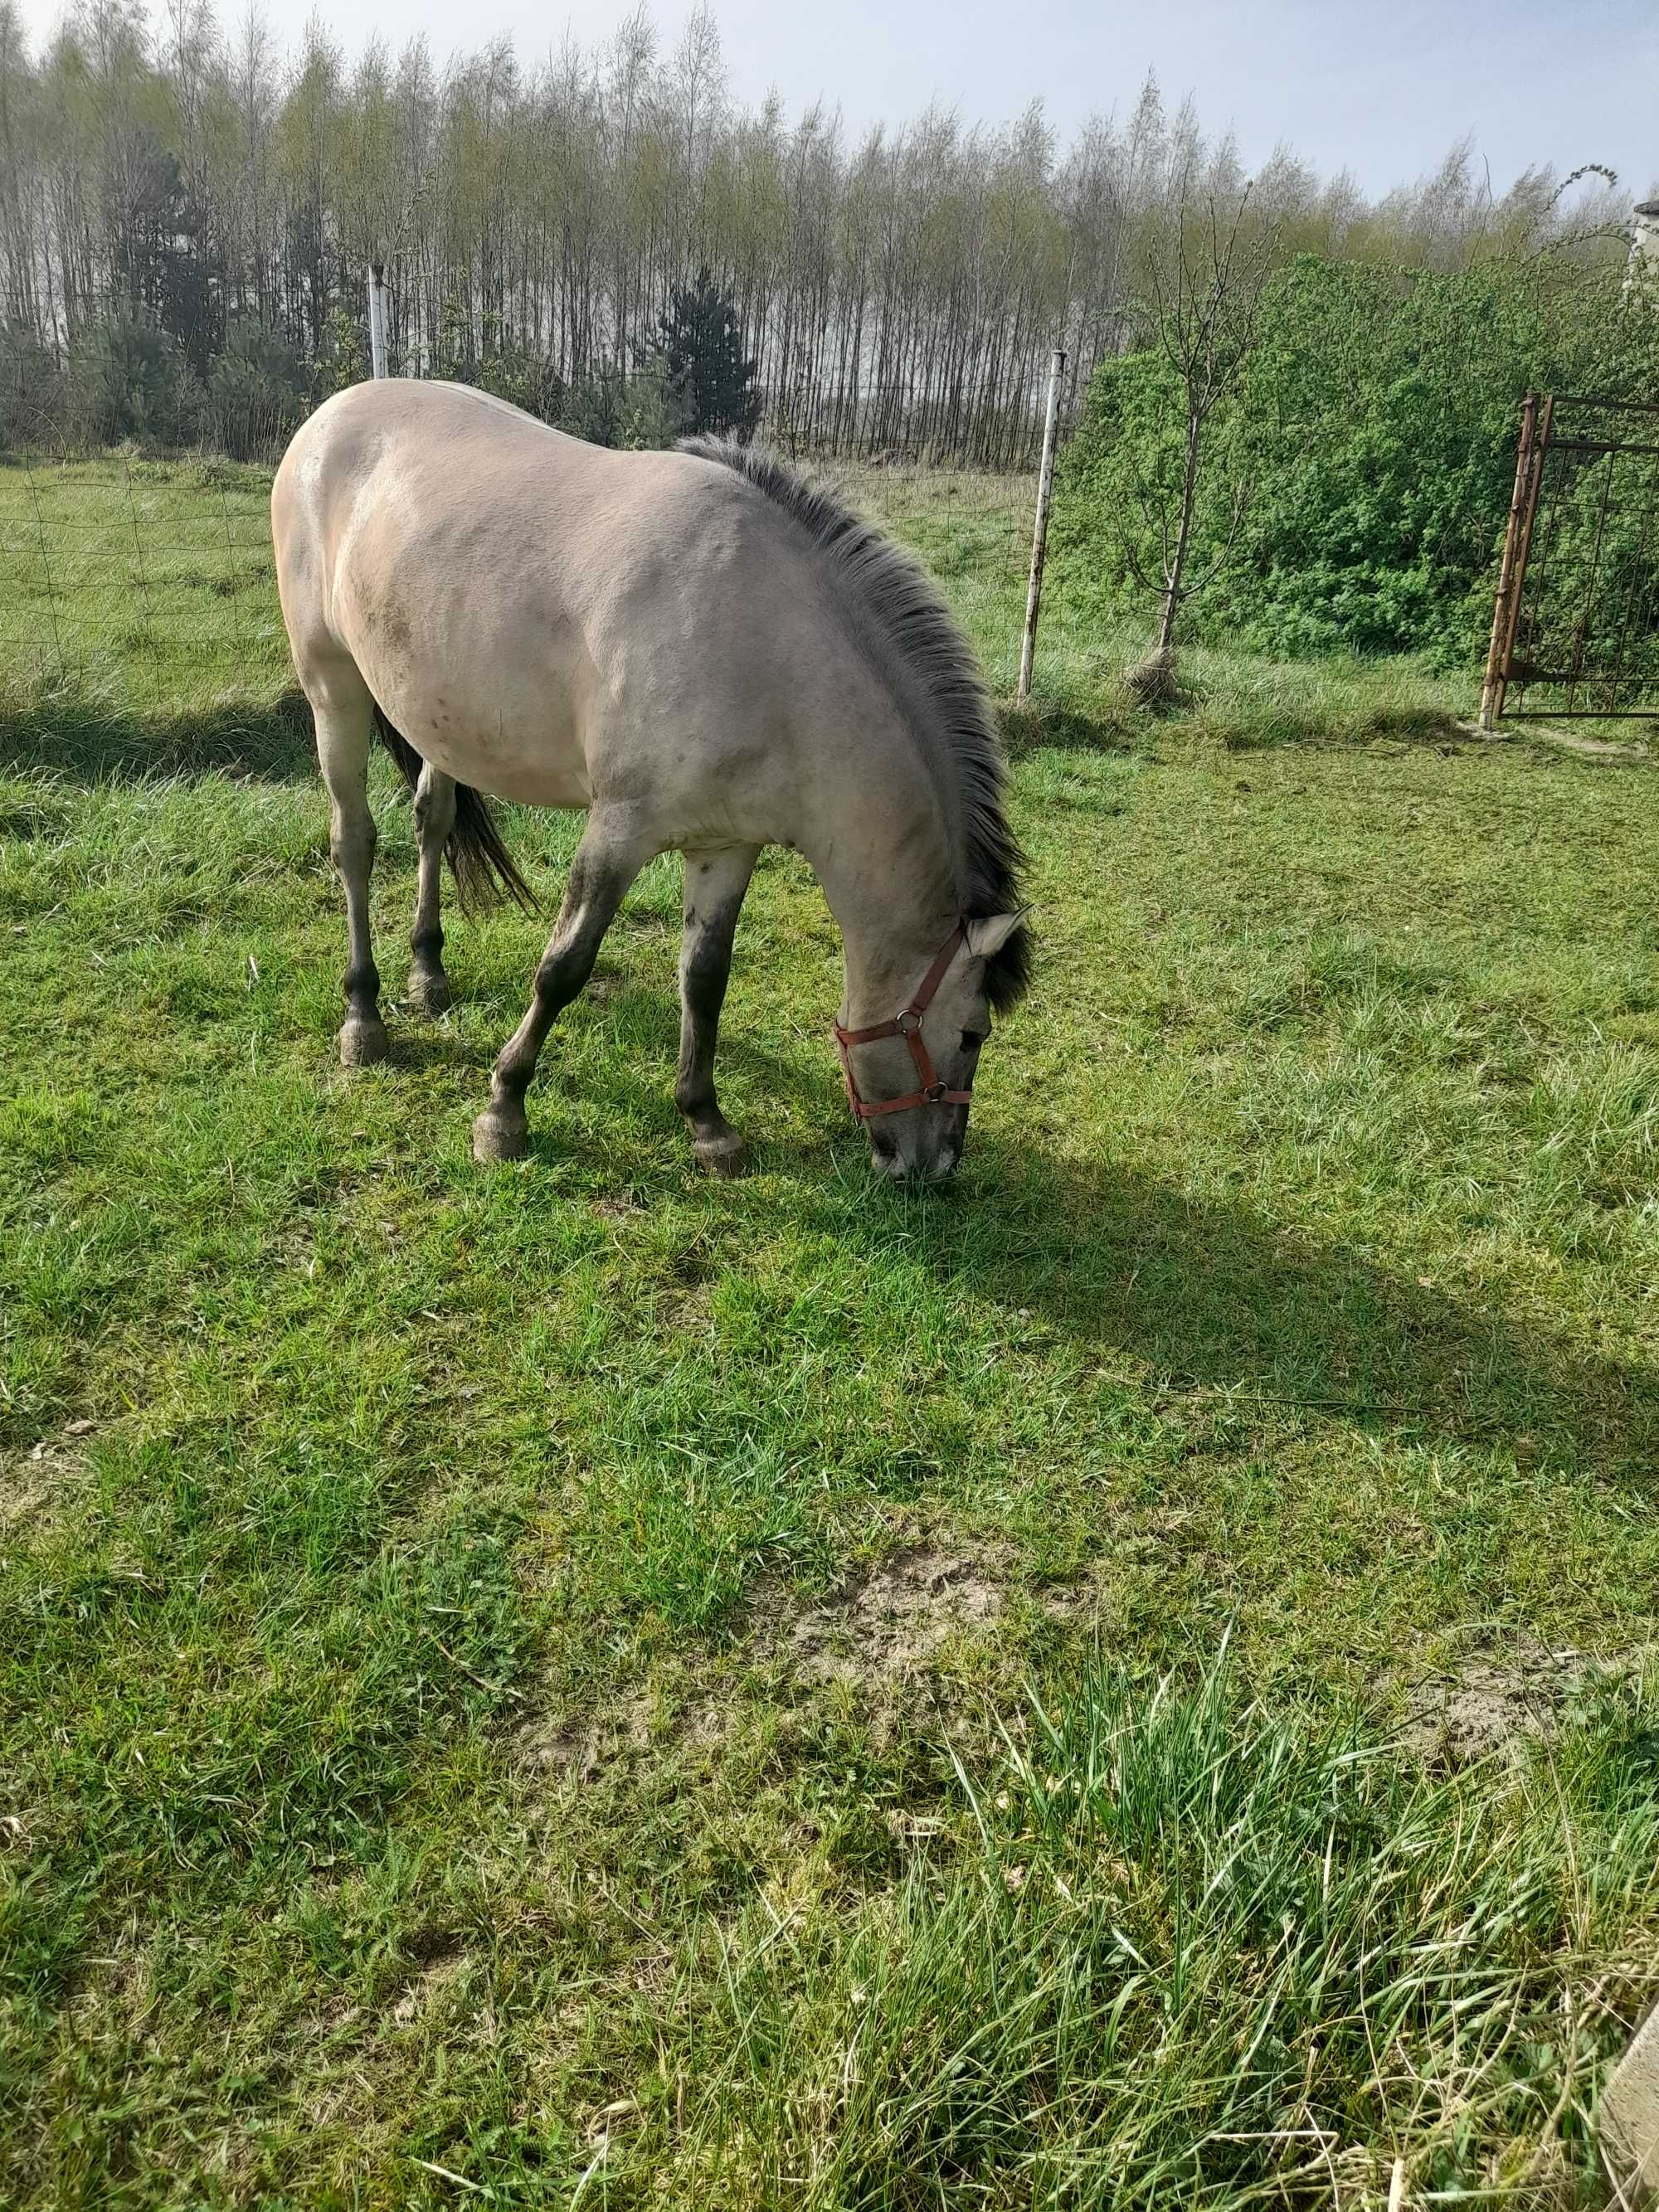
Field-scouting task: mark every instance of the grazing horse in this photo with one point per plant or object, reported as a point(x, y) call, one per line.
point(708, 655)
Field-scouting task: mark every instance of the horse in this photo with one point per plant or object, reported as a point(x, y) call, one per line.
point(708, 654)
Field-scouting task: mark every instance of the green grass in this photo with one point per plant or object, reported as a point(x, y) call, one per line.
point(412, 1762)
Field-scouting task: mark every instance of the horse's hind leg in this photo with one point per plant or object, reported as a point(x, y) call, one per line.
point(612, 854)
point(343, 712)
point(434, 818)
point(715, 882)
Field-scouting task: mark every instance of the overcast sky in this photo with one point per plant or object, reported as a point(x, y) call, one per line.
point(1380, 87)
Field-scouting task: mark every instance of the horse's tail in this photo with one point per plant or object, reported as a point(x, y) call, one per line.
point(483, 869)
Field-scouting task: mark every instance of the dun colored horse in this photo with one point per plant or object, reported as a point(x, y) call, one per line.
point(706, 654)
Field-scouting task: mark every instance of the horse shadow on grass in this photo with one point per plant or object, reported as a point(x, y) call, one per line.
point(1048, 726)
point(91, 742)
point(1129, 1269)
point(1132, 1272)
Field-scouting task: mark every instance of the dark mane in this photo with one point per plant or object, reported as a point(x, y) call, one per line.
point(904, 610)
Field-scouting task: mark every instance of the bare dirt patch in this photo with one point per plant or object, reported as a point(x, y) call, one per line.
point(893, 1624)
point(438, 1961)
point(893, 1628)
point(1496, 1699)
point(896, 1631)
point(1569, 740)
point(32, 1481)
point(24, 1490)
point(560, 1745)
point(621, 1208)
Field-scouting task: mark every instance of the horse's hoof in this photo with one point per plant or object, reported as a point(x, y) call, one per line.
point(721, 1157)
point(362, 1042)
point(498, 1138)
point(429, 991)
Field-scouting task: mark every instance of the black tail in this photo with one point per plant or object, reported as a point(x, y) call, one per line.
point(483, 868)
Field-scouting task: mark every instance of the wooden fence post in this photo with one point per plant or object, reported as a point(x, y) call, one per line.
point(1492, 691)
point(377, 318)
point(1040, 541)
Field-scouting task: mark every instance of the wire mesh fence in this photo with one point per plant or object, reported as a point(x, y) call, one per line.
point(139, 585)
point(148, 587)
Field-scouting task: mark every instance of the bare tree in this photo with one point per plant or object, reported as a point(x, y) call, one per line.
point(1205, 275)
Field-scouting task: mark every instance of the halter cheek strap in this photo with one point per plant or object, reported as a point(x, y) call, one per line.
point(907, 1024)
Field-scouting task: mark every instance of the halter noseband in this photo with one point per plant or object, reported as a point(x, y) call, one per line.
point(906, 1023)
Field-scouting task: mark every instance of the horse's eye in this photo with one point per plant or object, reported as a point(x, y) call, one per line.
point(971, 1040)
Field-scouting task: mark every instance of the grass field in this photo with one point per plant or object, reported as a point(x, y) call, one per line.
point(577, 1685)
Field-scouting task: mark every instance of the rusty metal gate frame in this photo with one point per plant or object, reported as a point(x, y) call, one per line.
point(1539, 438)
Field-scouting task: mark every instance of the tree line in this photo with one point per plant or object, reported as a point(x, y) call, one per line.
point(188, 218)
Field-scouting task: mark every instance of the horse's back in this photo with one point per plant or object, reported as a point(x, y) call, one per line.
point(433, 457)
point(519, 601)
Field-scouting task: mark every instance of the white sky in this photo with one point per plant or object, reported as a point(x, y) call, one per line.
point(1380, 86)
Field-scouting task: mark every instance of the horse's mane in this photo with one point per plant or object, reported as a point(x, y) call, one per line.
point(904, 610)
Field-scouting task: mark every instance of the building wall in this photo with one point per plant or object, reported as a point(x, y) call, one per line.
point(1644, 267)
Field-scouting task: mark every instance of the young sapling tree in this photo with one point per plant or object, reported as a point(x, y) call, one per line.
point(1204, 275)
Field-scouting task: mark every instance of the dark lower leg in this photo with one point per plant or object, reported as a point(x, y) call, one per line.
point(715, 886)
point(599, 877)
point(362, 1038)
point(434, 818)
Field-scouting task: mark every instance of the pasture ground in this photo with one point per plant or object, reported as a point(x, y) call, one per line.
point(1124, 1683)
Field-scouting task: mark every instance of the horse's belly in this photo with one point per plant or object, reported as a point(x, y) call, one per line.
point(486, 713)
point(539, 767)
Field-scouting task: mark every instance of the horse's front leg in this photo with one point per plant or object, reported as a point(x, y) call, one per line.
point(715, 882)
point(612, 854)
point(434, 818)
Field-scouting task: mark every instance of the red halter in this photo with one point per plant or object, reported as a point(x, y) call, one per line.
point(907, 1024)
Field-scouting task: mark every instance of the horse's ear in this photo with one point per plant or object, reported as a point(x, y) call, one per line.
point(988, 933)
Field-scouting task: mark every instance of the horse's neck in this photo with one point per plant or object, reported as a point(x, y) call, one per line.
point(890, 879)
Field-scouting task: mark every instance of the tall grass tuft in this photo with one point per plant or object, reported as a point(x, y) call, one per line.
point(1189, 1954)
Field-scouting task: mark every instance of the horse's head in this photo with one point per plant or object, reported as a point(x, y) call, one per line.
point(914, 1073)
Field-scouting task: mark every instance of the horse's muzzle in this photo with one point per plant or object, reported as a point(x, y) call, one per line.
point(933, 1155)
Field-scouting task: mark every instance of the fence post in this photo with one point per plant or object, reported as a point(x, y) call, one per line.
point(1540, 445)
point(1040, 541)
point(377, 318)
point(1492, 689)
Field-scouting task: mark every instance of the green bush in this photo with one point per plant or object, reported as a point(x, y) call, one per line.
point(632, 412)
point(1375, 430)
point(515, 372)
point(128, 380)
point(696, 378)
point(342, 357)
point(259, 388)
point(32, 400)
point(504, 365)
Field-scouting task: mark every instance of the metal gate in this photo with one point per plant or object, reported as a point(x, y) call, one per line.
point(1575, 633)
